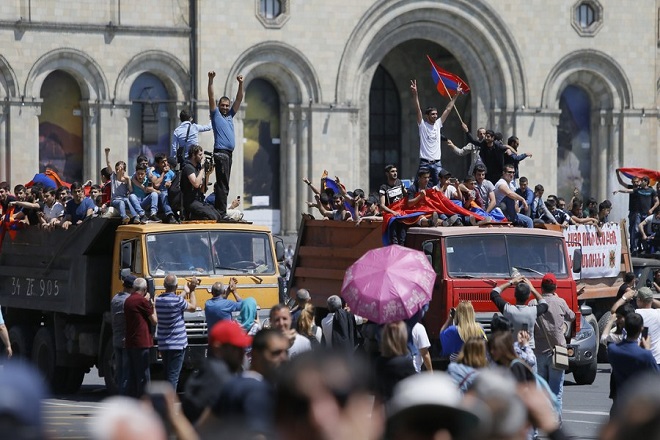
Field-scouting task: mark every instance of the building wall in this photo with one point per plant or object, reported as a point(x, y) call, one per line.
point(518, 57)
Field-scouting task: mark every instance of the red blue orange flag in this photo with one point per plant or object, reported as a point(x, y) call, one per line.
point(654, 176)
point(446, 82)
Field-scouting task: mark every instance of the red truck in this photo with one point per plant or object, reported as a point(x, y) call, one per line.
point(469, 262)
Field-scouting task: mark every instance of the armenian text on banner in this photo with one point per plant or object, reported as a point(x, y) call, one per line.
point(601, 254)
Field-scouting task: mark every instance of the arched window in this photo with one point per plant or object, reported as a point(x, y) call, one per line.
point(148, 126)
point(261, 150)
point(61, 127)
point(384, 127)
point(574, 143)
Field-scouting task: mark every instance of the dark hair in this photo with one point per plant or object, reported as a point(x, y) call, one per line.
point(500, 323)
point(628, 277)
point(480, 168)
point(625, 309)
point(490, 132)
point(51, 191)
point(184, 115)
point(160, 157)
point(142, 158)
point(260, 341)
point(106, 173)
point(429, 110)
point(511, 140)
point(539, 187)
point(605, 204)
point(521, 293)
point(224, 98)
point(389, 167)
point(358, 193)
point(75, 186)
point(140, 167)
point(324, 198)
point(591, 200)
point(634, 324)
point(423, 171)
point(194, 150)
point(18, 188)
point(498, 136)
point(523, 179)
point(4, 185)
point(468, 179)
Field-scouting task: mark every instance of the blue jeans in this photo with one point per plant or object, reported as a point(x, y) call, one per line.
point(150, 201)
point(139, 374)
point(554, 377)
point(524, 220)
point(120, 203)
point(121, 370)
point(634, 219)
point(434, 169)
point(164, 202)
point(172, 363)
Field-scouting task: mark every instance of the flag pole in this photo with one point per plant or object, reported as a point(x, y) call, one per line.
point(447, 91)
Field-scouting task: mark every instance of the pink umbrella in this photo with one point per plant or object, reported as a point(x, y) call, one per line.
point(388, 284)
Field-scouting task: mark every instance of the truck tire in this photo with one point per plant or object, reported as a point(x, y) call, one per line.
point(591, 319)
point(109, 368)
point(602, 349)
point(43, 356)
point(21, 341)
point(585, 374)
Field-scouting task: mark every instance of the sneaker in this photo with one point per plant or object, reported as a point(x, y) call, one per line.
point(125, 220)
point(154, 218)
point(171, 220)
point(135, 220)
point(453, 219)
point(434, 219)
point(143, 219)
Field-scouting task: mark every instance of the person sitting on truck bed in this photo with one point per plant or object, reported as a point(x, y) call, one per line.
point(391, 192)
point(521, 315)
point(417, 194)
point(560, 216)
point(143, 196)
point(338, 211)
point(52, 211)
point(507, 199)
point(539, 211)
point(78, 208)
point(194, 179)
point(161, 178)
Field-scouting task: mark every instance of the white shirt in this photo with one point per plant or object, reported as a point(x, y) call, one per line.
point(420, 340)
point(326, 325)
point(55, 211)
point(499, 192)
point(652, 321)
point(300, 345)
point(429, 140)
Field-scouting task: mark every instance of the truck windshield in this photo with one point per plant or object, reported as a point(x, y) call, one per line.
point(210, 252)
point(498, 255)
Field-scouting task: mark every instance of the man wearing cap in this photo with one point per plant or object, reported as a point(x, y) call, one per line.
point(651, 317)
point(219, 307)
point(139, 315)
point(171, 329)
point(247, 401)
point(549, 331)
point(227, 344)
point(119, 333)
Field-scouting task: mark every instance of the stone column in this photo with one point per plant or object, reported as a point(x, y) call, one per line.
point(304, 159)
point(290, 184)
point(4, 139)
point(23, 152)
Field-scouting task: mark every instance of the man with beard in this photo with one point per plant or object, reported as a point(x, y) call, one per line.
point(222, 120)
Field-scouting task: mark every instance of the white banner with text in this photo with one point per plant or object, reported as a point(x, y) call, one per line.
point(601, 253)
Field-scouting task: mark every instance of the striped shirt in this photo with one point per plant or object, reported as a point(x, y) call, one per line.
point(171, 329)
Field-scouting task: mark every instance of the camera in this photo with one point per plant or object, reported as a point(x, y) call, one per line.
point(209, 163)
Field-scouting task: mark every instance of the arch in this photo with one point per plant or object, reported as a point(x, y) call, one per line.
point(597, 73)
point(471, 30)
point(284, 66)
point(8, 81)
point(168, 68)
point(84, 69)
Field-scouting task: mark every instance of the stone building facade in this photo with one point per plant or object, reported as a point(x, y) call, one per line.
point(328, 86)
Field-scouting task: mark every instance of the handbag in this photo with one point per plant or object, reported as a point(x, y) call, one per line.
point(559, 352)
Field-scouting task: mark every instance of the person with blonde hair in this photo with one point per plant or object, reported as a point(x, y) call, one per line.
point(461, 325)
point(395, 362)
point(307, 327)
point(469, 361)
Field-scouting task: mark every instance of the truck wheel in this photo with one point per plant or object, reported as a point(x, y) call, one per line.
point(602, 349)
point(591, 319)
point(43, 356)
point(21, 341)
point(585, 374)
point(109, 369)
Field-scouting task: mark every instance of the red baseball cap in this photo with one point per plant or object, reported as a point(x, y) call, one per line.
point(549, 278)
point(229, 332)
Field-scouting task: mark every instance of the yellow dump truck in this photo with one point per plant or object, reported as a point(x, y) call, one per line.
point(56, 286)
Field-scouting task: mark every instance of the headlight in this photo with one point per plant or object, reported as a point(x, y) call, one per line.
point(584, 334)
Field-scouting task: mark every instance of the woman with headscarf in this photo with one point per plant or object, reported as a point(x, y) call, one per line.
point(248, 318)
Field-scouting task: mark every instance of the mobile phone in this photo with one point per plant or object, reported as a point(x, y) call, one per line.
point(157, 391)
point(238, 197)
point(645, 332)
point(452, 312)
point(525, 327)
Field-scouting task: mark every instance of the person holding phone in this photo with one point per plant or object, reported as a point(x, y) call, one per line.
point(461, 325)
point(651, 316)
point(629, 359)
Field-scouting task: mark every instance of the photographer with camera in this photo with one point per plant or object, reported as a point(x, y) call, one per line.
point(195, 173)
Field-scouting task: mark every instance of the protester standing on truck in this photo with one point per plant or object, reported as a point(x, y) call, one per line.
point(391, 192)
point(171, 327)
point(139, 314)
point(119, 333)
point(550, 331)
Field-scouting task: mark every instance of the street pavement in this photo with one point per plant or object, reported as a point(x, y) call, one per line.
point(586, 407)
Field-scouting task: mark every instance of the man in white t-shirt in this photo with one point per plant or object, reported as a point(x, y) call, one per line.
point(429, 133)
point(421, 341)
point(506, 198)
point(280, 320)
point(649, 230)
point(651, 318)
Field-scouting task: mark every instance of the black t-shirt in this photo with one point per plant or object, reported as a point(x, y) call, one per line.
point(189, 193)
point(645, 197)
point(392, 193)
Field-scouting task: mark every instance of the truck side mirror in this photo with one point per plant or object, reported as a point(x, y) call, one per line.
point(577, 261)
point(279, 250)
point(151, 287)
point(126, 254)
point(427, 247)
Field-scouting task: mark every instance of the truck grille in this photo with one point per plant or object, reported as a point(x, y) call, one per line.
point(196, 329)
point(474, 296)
